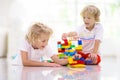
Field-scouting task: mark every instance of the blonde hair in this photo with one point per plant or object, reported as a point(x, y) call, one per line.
point(93, 11)
point(35, 32)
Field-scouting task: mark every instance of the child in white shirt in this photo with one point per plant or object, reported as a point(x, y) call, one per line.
point(91, 34)
point(36, 46)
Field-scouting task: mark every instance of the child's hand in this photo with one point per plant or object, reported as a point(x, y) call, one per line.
point(54, 65)
point(72, 34)
point(64, 36)
point(93, 57)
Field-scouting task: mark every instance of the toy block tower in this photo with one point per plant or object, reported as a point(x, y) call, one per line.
point(69, 49)
point(66, 48)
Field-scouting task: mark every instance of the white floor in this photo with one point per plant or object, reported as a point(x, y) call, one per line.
point(107, 70)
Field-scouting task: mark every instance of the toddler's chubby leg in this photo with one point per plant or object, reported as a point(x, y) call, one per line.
point(88, 59)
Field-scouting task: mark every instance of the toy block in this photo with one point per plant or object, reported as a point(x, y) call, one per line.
point(69, 42)
point(71, 53)
point(64, 44)
point(79, 48)
point(68, 48)
point(59, 42)
point(80, 62)
point(65, 41)
point(59, 46)
point(82, 59)
point(72, 46)
point(76, 58)
point(59, 50)
point(61, 55)
point(79, 42)
point(50, 61)
point(78, 66)
point(70, 60)
point(88, 62)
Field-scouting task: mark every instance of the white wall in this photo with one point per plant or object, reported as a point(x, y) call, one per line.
point(110, 47)
point(3, 42)
point(4, 25)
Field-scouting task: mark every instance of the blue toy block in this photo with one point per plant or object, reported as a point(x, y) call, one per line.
point(88, 62)
point(79, 42)
point(59, 45)
point(82, 59)
point(77, 58)
point(71, 53)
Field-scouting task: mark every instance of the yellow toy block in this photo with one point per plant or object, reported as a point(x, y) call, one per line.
point(78, 66)
point(70, 50)
point(65, 46)
point(69, 42)
point(70, 60)
point(79, 48)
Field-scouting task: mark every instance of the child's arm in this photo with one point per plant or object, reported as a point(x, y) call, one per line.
point(56, 59)
point(28, 62)
point(96, 46)
point(94, 53)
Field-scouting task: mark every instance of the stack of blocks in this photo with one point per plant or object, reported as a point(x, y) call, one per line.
point(67, 48)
